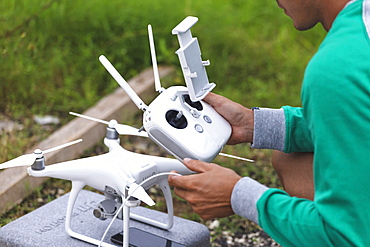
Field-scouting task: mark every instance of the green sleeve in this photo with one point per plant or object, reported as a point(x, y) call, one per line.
point(336, 108)
point(304, 227)
point(297, 135)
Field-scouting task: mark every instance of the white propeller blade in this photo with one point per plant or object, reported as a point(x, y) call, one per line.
point(89, 118)
point(120, 128)
point(128, 130)
point(24, 160)
point(138, 192)
point(62, 146)
point(29, 159)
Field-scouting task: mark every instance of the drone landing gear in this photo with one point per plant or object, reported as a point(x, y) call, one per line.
point(163, 185)
point(77, 186)
point(140, 238)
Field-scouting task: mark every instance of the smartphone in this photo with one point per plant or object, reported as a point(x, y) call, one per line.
point(140, 238)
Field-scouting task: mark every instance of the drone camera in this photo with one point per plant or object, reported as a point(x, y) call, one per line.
point(105, 209)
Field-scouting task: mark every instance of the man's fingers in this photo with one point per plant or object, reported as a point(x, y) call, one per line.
point(196, 165)
point(190, 182)
point(183, 182)
point(180, 192)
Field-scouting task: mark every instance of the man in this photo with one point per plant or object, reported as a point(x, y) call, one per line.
point(325, 163)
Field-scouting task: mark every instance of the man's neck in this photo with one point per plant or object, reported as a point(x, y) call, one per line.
point(331, 10)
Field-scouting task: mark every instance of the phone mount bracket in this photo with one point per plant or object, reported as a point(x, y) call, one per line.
point(191, 62)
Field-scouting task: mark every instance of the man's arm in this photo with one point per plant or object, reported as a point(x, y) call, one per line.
point(281, 129)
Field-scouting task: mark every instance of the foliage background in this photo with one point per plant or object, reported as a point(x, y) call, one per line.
point(49, 59)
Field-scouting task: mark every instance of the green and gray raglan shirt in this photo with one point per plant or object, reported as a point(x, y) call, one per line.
point(334, 123)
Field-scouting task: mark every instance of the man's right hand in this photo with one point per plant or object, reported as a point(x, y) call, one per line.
point(239, 117)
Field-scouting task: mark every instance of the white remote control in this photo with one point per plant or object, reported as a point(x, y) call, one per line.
point(178, 120)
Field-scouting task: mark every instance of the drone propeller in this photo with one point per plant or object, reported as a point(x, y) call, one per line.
point(120, 128)
point(138, 192)
point(134, 189)
point(29, 159)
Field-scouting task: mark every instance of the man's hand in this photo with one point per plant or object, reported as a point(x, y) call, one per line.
point(209, 191)
point(240, 118)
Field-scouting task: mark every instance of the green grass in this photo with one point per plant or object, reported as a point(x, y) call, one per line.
point(49, 51)
point(49, 59)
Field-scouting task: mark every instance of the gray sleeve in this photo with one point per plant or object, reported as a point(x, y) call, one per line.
point(269, 129)
point(244, 198)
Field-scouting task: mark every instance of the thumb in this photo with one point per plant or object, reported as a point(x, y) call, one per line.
point(212, 99)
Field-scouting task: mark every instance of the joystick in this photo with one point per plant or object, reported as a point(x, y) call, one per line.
point(176, 119)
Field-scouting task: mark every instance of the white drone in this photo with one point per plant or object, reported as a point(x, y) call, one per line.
point(124, 176)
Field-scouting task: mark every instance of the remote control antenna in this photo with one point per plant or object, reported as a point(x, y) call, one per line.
point(157, 81)
point(123, 83)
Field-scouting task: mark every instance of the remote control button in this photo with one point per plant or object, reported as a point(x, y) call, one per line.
point(198, 128)
point(207, 119)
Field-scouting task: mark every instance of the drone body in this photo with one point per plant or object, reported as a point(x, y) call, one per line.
point(122, 176)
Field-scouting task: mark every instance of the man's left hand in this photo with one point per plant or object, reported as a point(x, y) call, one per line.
point(209, 190)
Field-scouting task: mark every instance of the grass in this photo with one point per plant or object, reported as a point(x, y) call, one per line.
point(52, 57)
point(49, 65)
